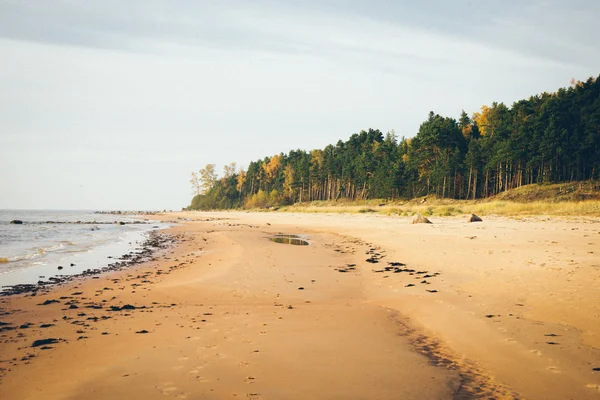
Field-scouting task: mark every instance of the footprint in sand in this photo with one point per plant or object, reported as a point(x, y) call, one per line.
point(536, 352)
point(196, 369)
point(593, 386)
point(554, 369)
point(167, 388)
point(243, 364)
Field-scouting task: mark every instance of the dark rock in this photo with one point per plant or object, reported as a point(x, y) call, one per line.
point(16, 222)
point(125, 307)
point(60, 267)
point(142, 331)
point(474, 218)
point(45, 303)
point(43, 342)
point(396, 264)
point(46, 325)
point(300, 288)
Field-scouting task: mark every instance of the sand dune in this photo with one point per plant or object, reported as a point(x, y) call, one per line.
point(373, 308)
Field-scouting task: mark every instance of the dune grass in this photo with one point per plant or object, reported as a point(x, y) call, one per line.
point(492, 207)
point(568, 199)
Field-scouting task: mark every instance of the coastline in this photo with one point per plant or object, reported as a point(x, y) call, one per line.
point(508, 309)
point(30, 281)
point(43, 247)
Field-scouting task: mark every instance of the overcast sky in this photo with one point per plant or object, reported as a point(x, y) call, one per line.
point(111, 104)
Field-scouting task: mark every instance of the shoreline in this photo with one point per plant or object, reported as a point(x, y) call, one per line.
point(496, 295)
point(153, 243)
point(45, 247)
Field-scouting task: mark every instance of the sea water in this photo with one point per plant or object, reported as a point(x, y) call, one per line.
point(73, 240)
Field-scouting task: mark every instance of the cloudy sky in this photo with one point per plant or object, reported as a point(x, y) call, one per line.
point(110, 104)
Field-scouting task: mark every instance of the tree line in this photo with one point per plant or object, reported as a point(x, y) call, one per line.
point(551, 137)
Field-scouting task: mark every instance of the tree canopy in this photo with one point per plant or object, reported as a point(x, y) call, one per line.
point(551, 137)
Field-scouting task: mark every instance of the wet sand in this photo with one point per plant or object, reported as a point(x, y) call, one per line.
point(373, 308)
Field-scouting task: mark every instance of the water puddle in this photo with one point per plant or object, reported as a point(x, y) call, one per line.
point(289, 239)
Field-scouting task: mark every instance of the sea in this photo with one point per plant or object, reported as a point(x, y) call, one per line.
point(72, 240)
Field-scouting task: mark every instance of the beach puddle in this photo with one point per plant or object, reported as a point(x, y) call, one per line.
point(289, 239)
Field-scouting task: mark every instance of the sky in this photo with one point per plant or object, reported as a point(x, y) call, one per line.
point(111, 104)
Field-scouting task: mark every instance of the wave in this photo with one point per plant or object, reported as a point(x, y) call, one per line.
point(42, 251)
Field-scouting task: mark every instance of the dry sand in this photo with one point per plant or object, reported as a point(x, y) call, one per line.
point(503, 308)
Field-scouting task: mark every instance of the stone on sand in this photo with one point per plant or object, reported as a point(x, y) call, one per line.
point(474, 218)
point(419, 219)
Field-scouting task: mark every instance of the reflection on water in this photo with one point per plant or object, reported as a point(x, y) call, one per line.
point(289, 239)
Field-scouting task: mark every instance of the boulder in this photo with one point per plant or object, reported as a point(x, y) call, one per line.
point(474, 218)
point(419, 219)
point(16, 222)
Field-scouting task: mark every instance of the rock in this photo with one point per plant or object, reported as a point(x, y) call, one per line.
point(16, 222)
point(43, 342)
point(474, 218)
point(142, 331)
point(125, 307)
point(419, 219)
point(60, 267)
point(45, 303)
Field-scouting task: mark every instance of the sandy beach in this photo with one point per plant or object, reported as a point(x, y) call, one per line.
point(372, 308)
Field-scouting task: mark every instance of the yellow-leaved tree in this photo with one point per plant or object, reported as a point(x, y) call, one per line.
point(271, 168)
point(288, 183)
point(483, 119)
